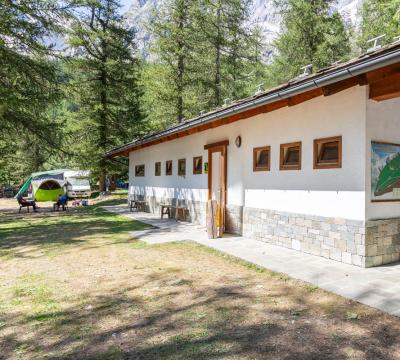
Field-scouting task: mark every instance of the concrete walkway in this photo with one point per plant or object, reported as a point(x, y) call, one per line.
point(378, 287)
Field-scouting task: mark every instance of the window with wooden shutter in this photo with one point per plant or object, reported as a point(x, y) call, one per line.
point(261, 158)
point(157, 168)
point(139, 170)
point(197, 165)
point(328, 153)
point(290, 156)
point(168, 167)
point(182, 167)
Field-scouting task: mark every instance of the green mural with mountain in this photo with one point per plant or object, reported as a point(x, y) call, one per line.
point(385, 171)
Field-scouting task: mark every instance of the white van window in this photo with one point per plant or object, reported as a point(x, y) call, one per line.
point(78, 182)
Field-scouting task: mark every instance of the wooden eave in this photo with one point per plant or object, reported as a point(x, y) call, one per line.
point(384, 83)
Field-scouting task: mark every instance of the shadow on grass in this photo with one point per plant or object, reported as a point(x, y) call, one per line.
point(44, 231)
point(215, 321)
point(157, 315)
point(111, 202)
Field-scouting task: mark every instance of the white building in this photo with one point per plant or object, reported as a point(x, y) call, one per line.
point(310, 165)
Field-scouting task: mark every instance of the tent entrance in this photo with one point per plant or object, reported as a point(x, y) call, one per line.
point(47, 190)
point(49, 185)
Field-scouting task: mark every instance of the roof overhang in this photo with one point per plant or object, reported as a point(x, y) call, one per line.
point(381, 70)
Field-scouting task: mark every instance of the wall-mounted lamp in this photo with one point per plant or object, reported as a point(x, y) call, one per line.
point(238, 141)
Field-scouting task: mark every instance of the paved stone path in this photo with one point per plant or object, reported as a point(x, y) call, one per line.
point(378, 287)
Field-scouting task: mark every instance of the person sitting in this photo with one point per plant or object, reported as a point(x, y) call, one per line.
point(62, 201)
point(26, 203)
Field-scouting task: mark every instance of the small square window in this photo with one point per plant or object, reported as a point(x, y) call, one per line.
point(182, 167)
point(328, 153)
point(168, 167)
point(157, 168)
point(139, 170)
point(261, 158)
point(197, 165)
point(290, 156)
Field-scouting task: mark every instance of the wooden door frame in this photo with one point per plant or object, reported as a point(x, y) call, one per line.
point(220, 147)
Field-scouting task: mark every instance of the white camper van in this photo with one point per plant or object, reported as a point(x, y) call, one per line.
point(78, 185)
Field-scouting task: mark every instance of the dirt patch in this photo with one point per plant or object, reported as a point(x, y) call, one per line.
point(76, 286)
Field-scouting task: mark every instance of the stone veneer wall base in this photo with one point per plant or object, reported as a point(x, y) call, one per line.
point(382, 242)
point(337, 239)
point(355, 242)
point(350, 241)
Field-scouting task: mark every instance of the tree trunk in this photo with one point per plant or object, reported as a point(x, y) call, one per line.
point(181, 69)
point(103, 138)
point(217, 84)
point(102, 183)
point(103, 111)
point(181, 65)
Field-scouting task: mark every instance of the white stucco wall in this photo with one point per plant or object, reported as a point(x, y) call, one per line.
point(329, 192)
point(383, 124)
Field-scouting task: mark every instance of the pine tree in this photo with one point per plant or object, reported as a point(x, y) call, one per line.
point(169, 76)
point(28, 76)
point(379, 17)
point(229, 46)
point(21, 154)
point(312, 34)
point(203, 52)
point(105, 85)
point(29, 85)
point(245, 67)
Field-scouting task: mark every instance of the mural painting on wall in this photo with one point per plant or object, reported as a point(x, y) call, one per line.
point(385, 171)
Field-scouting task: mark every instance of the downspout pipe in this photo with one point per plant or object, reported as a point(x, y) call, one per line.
point(369, 64)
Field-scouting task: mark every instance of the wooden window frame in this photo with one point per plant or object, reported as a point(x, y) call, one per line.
point(197, 172)
point(282, 165)
point(179, 167)
point(155, 168)
point(168, 162)
point(261, 168)
point(327, 164)
point(136, 170)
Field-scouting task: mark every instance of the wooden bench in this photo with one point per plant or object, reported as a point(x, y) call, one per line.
point(139, 205)
point(180, 211)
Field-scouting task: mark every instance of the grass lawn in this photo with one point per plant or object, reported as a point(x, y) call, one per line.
point(76, 285)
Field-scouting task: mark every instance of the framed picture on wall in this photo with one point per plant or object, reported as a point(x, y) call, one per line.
point(206, 168)
point(385, 171)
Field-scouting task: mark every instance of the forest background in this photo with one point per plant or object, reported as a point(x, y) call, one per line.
point(74, 83)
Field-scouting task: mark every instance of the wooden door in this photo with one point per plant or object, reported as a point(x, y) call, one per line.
point(217, 178)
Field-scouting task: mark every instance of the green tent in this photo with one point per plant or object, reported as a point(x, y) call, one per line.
point(45, 185)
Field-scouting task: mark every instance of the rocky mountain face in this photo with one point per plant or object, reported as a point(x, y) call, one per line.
point(264, 14)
